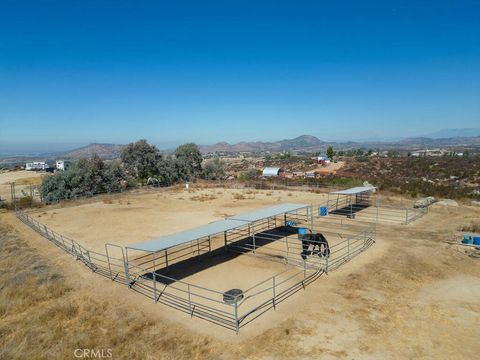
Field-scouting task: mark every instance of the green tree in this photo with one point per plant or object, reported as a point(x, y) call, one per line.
point(141, 159)
point(330, 153)
point(168, 171)
point(95, 175)
point(268, 159)
point(85, 177)
point(115, 178)
point(54, 188)
point(251, 174)
point(189, 161)
point(214, 170)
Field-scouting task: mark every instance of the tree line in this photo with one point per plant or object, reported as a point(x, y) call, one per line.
point(140, 163)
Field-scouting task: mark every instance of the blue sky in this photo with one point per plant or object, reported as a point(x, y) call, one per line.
point(74, 72)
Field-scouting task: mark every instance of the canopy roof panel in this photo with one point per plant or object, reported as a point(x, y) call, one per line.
point(216, 227)
point(271, 211)
point(354, 190)
point(182, 237)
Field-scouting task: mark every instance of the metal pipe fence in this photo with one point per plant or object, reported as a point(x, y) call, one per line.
point(374, 211)
point(217, 307)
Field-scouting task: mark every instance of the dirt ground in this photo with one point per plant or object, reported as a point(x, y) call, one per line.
point(128, 219)
point(331, 166)
point(22, 178)
point(409, 296)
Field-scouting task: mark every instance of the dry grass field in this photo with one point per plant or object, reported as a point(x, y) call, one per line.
point(23, 179)
point(409, 296)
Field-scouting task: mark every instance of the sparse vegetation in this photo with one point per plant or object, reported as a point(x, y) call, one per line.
point(203, 197)
point(239, 196)
point(249, 175)
point(451, 177)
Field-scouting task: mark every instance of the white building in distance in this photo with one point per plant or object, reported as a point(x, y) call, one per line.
point(36, 165)
point(62, 164)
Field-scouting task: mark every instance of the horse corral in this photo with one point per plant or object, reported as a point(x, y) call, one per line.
point(229, 271)
point(363, 204)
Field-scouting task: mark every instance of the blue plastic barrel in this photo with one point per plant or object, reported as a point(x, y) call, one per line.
point(302, 231)
point(291, 223)
point(323, 211)
point(476, 240)
point(467, 239)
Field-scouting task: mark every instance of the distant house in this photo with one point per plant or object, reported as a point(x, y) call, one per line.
point(36, 165)
point(434, 152)
point(323, 159)
point(273, 171)
point(62, 164)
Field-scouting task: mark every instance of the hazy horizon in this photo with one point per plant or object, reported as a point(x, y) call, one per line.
point(52, 147)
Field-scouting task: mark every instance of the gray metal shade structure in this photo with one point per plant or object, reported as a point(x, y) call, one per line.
point(182, 237)
point(271, 211)
point(349, 201)
point(354, 190)
point(216, 227)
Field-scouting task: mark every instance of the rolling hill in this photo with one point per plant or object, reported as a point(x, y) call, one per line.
point(105, 151)
point(303, 142)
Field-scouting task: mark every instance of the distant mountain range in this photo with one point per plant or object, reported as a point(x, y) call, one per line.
point(311, 143)
point(105, 151)
point(453, 133)
point(303, 143)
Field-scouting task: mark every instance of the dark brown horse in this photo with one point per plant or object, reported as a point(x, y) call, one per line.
point(314, 240)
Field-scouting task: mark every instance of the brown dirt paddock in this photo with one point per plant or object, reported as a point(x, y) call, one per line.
point(129, 218)
point(409, 296)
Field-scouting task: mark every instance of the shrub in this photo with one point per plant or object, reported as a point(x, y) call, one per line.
point(214, 170)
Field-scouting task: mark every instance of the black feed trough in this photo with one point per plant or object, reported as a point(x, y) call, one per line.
point(232, 296)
